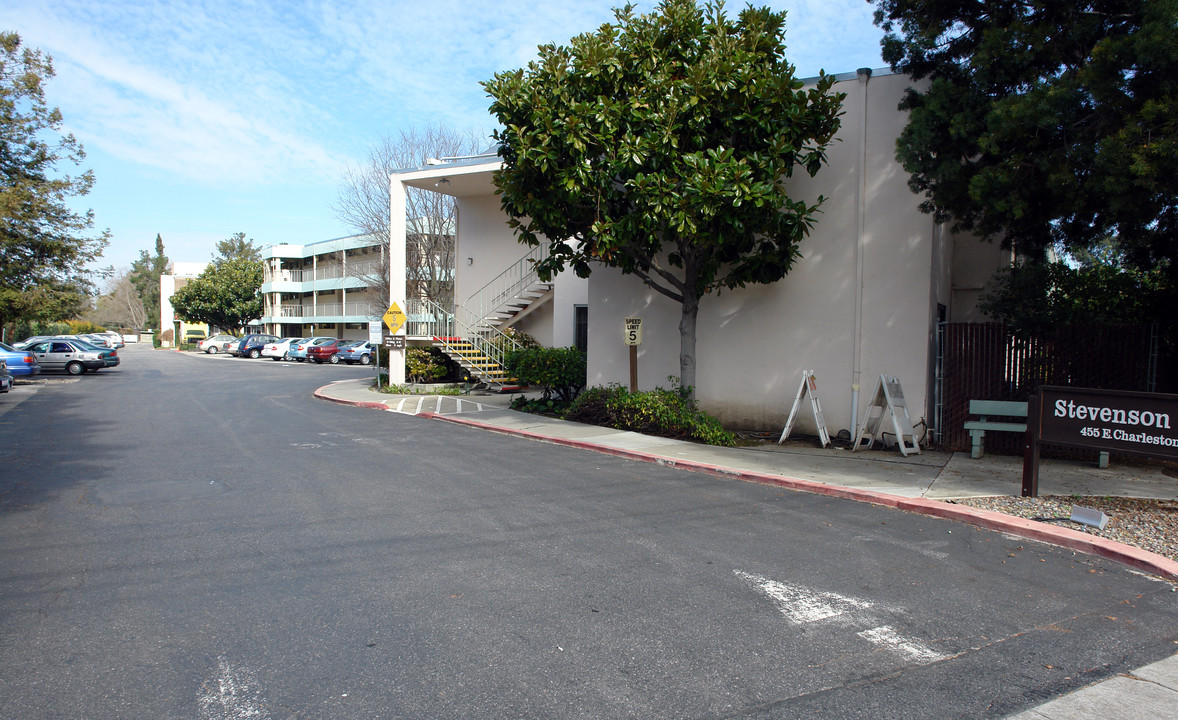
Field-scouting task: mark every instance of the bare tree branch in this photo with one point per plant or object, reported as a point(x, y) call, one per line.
point(363, 203)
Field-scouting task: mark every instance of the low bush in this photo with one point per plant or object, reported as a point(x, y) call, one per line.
point(556, 371)
point(665, 413)
point(414, 390)
point(423, 365)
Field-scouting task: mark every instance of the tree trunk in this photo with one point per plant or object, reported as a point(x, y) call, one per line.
point(687, 346)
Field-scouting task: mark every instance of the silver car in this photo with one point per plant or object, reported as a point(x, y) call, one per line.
point(72, 356)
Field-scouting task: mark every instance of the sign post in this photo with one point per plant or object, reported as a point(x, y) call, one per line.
point(394, 318)
point(374, 333)
point(633, 339)
point(1133, 423)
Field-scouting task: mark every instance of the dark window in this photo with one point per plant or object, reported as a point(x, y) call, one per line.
point(581, 327)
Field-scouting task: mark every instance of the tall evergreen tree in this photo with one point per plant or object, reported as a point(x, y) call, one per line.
point(44, 244)
point(145, 277)
point(1047, 123)
point(236, 246)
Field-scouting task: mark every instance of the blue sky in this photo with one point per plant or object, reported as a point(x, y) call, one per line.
point(204, 118)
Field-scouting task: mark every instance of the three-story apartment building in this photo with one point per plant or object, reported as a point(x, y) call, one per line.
point(331, 287)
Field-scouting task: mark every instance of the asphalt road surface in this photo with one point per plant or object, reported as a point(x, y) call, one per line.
point(197, 537)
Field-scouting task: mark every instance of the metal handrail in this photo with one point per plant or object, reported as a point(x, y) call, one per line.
point(463, 325)
point(507, 285)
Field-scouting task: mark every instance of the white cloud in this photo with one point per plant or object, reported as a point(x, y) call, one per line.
point(207, 120)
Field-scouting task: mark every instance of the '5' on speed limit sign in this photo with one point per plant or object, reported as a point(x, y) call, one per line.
point(633, 331)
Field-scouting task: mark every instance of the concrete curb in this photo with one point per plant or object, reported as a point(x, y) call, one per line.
point(987, 519)
point(355, 403)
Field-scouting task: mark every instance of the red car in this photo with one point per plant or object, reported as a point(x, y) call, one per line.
point(326, 352)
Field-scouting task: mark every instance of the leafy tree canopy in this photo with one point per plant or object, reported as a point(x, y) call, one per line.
point(237, 246)
point(44, 245)
point(1036, 297)
point(658, 145)
point(1051, 123)
point(224, 296)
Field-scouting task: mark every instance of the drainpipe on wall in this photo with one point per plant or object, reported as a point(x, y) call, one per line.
point(856, 372)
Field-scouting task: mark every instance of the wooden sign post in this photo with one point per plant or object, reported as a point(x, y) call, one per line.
point(633, 339)
point(1133, 423)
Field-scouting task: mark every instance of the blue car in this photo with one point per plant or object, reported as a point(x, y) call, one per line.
point(21, 363)
point(358, 352)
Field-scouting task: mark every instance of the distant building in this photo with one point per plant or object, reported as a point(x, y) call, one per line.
point(331, 287)
point(182, 274)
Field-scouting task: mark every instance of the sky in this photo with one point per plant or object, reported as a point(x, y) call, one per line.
point(203, 118)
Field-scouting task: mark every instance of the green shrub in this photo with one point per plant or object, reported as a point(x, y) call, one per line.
point(554, 370)
point(424, 365)
point(665, 413)
point(81, 327)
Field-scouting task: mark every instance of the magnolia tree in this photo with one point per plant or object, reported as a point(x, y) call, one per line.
point(224, 296)
point(659, 145)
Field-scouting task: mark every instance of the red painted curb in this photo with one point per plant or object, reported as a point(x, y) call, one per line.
point(357, 403)
point(987, 519)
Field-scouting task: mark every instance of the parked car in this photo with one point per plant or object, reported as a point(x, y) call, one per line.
point(5, 378)
point(115, 339)
point(325, 352)
point(298, 351)
point(21, 363)
point(73, 356)
point(29, 341)
point(216, 343)
point(358, 352)
point(96, 340)
point(251, 345)
point(279, 349)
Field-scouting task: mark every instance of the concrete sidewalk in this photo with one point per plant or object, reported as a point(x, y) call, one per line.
point(919, 483)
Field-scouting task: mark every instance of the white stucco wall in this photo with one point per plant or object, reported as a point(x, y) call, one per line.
point(753, 344)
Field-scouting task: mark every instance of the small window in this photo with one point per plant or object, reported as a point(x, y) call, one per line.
point(581, 327)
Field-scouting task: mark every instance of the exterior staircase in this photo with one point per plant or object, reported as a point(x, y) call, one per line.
point(473, 335)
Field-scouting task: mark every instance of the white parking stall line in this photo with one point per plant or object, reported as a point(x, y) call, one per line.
point(436, 404)
point(231, 694)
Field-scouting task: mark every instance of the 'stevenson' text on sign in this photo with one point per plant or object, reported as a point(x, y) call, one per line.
point(1110, 420)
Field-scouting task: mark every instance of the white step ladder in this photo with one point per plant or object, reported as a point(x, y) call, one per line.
point(809, 387)
point(888, 400)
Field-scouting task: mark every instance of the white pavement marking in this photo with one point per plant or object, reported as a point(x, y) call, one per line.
point(424, 403)
point(232, 694)
point(885, 637)
point(803, 605)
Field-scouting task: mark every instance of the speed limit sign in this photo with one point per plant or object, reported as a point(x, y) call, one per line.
point(633, 331)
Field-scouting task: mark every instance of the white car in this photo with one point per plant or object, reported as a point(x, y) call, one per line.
point(215, 344)
point(278, 350)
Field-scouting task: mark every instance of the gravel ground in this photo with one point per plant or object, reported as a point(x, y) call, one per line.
point(1148, 524)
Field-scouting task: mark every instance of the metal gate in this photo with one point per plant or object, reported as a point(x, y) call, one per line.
point(986, 361)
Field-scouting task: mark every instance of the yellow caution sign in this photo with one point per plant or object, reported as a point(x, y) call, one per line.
point(394, 318)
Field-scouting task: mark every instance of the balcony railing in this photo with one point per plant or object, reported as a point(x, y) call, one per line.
point(329, 272)
point(352, 309)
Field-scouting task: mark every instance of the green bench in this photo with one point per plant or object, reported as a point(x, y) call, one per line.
point(1007, 411)
point(986, 409)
